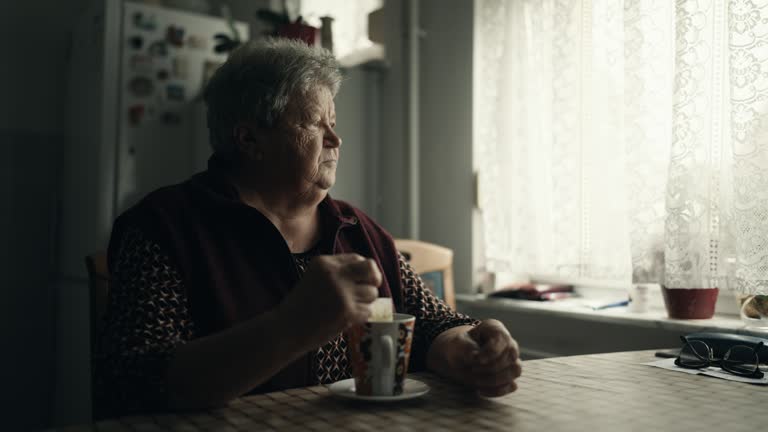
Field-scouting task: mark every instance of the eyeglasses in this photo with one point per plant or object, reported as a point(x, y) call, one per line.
point(741, 360)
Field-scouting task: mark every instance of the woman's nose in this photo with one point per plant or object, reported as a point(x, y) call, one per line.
point(332, 139)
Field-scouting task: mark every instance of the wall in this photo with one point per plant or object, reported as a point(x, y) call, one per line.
point(446, 182)
point(391, 174)
point(32, 87)
point(28, 305)
point(357, 124)
point(443, 154)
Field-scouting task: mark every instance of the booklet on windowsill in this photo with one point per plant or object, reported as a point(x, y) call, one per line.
point(536, 292)
point(669, 364)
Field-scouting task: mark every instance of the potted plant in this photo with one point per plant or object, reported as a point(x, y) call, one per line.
point(283, 26)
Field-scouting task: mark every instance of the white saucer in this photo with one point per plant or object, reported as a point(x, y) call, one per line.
point(411, 389)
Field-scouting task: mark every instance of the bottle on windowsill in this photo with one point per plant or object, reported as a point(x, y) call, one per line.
point(638, 297)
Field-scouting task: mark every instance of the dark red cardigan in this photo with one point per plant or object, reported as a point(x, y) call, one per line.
point(235, 264)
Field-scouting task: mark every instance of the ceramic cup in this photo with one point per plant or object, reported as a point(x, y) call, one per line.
point(380, 352)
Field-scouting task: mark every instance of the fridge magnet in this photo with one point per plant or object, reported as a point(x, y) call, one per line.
point(158, 49)
point(180, 67)
point(144, 22)
point(135, 114)
point(175, 35)
point(174, 92)
point(196, 42)
point(158, 100)
point(162, 74)
point(136, 42)
point(170, 118)
point(141, 86)
point(141, 64)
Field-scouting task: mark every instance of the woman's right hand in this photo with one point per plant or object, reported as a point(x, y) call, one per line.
point(335, 293)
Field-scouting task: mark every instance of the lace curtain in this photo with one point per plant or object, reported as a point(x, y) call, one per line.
point(624, 140)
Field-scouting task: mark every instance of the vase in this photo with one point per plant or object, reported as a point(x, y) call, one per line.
point(690, 303)
point(754, 311)
point(299, 31)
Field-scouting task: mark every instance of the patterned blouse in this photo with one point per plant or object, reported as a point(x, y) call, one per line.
point(149, 317)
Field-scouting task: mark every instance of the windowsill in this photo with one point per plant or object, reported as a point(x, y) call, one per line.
point(372, 57)
point(573, 309)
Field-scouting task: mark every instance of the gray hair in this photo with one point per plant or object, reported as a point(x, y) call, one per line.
point(257, 82)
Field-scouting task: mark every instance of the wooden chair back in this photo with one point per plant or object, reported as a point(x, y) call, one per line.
point(434, 264)
point(98, 278)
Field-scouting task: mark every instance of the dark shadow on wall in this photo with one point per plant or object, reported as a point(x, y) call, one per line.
point(29, 165)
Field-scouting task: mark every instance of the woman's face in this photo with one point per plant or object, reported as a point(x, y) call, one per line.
point(305, 149)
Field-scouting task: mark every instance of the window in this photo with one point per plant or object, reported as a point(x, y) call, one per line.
point(624, 141)
point(350, 21)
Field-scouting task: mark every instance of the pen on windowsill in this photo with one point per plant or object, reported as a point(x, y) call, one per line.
point(611, 305)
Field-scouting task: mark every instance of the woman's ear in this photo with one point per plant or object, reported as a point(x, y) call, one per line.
point(248, 142)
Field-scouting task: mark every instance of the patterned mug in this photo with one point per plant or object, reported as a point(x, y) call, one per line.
point(380, 352)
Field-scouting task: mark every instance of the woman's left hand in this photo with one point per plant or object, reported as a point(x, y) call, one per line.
point(485, 357)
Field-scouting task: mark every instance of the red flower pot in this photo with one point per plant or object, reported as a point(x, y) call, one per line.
point(690, 303)
point(303, 32)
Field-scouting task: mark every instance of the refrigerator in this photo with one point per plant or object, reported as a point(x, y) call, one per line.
point(136, 118)
point(135, 122)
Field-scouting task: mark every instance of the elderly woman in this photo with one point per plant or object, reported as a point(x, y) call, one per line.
point(244, 277)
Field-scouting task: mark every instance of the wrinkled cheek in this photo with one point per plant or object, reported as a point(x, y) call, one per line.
point(313, 174)
point(308, 156)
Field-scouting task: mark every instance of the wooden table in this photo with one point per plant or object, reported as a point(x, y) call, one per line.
point(593, 392)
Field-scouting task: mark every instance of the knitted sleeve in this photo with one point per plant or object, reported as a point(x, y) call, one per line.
point(433, 316)
point(147, 318)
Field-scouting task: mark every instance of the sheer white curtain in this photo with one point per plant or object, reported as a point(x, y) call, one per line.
point(624, 140)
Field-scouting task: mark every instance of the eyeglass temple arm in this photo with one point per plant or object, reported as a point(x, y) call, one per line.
point(756, 348)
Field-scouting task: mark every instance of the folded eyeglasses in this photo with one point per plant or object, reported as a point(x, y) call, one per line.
point(741, 360)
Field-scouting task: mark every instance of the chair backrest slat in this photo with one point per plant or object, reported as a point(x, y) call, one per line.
point(427, 258)
point(98, 277)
